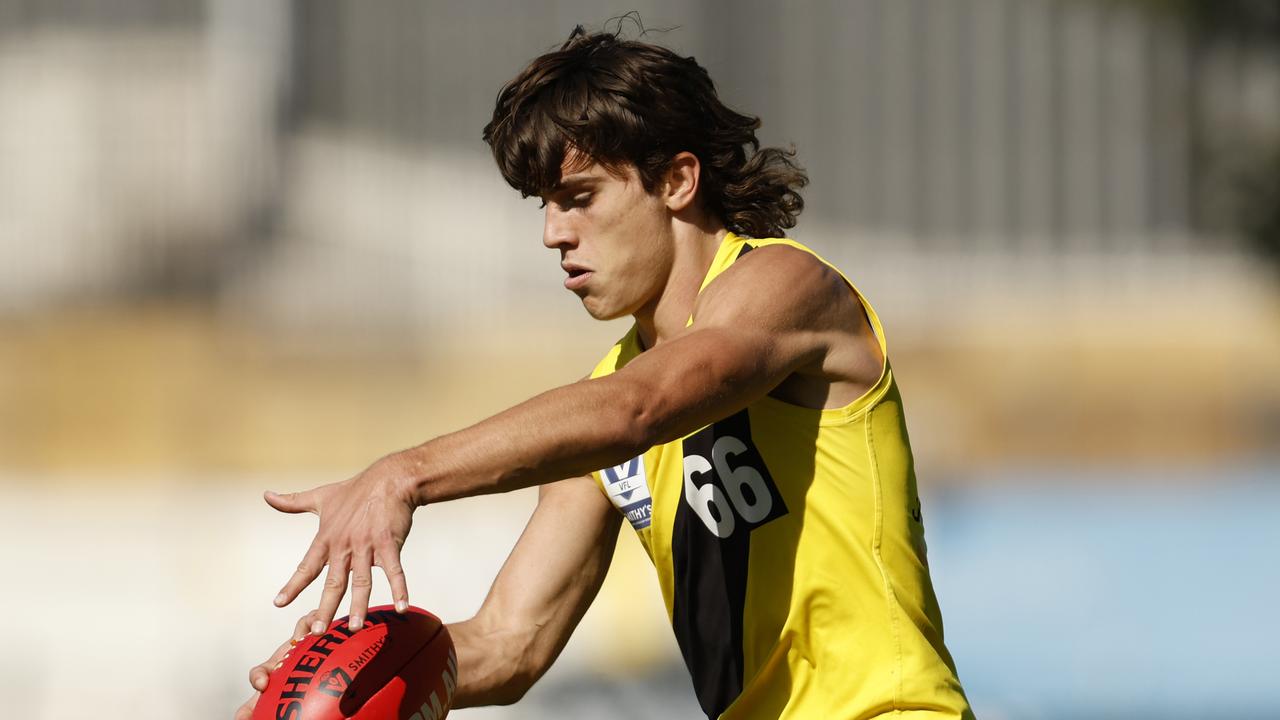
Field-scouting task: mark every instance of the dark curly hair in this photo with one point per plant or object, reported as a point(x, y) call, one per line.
point(621, 102)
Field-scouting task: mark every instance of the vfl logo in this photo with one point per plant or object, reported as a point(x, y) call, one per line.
point(628, 490)
point(334, 683)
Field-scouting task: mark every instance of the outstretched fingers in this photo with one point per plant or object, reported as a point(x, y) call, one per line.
point(388, 558)
point(308, 570)
point(335, 586)
point(361, 588)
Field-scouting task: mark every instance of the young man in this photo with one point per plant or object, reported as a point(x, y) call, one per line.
point(749, 424)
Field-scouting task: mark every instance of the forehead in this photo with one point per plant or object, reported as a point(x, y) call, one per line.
point(578, 168)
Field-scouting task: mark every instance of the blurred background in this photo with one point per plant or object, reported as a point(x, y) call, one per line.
point(249, 245)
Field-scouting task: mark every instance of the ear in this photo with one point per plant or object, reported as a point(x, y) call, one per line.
point(682, 180)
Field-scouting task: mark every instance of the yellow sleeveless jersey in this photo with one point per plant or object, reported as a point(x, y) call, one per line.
point(790, 550)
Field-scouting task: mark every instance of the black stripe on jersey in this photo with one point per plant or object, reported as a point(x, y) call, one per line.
point(710, 572)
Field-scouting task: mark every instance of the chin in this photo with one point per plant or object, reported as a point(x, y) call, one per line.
point(601, 311)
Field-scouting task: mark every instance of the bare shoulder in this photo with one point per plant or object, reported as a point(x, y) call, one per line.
point(799, 301)
point(782, 286)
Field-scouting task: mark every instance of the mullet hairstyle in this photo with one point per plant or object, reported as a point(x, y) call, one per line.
point(621, 102)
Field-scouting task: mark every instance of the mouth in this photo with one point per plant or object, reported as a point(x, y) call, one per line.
point(577, 276)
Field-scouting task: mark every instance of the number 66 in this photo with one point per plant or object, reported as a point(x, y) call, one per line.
point(721, 522)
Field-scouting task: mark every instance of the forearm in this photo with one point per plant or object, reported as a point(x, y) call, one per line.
point(539, 596)
point(577, 429)
point(569, 431)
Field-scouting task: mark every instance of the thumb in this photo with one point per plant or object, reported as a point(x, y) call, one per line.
point(259, 678)
point(290, 502)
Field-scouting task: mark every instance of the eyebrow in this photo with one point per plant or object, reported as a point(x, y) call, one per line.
point(575, 180)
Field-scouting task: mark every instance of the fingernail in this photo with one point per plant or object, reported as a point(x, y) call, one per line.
point(280, 599)
point(401, 606)
point(355, 623)
point(317, 627)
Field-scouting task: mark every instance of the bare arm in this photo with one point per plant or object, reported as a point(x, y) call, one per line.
point(539, 596)
point(777, 313)
point(753, 329)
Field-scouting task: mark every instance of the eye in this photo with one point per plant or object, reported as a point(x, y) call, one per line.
point(567, 202)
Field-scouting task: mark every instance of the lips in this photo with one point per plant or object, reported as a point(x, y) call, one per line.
point(578, 275)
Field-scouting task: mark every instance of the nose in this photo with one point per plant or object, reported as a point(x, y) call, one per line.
point(557, 231)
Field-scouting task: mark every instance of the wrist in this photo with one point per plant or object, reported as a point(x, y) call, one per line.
point(403, 474)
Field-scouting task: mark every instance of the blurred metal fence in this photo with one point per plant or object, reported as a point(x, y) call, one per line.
point(1034, 125)
point(1004, 128)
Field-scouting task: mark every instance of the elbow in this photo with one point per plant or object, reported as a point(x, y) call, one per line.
point(496, 666)
point(519, 686)
point(506, 694)
point(530, 666)
point(511, 693)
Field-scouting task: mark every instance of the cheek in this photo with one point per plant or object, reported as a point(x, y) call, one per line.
point(632, 250)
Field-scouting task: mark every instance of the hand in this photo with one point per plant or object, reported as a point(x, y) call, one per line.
point(363, 522)
point(259, 674)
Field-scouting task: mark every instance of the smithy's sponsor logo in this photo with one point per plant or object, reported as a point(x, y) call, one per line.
point(369, 653)
point(629, 491)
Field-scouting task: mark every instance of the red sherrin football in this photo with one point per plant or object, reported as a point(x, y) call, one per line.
point(396, 667)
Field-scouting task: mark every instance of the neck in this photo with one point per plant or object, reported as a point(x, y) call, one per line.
point(694, 250)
